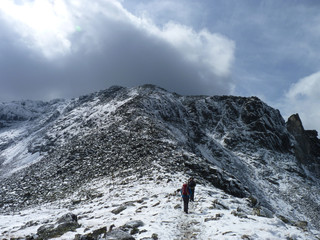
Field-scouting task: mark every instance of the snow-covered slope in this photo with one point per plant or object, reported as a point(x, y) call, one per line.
point(135, 147)
point(21, 127)
point(155, 202)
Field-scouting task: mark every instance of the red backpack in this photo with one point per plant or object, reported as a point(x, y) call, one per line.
point(184, 189)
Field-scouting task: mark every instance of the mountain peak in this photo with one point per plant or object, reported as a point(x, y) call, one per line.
point(237, 146)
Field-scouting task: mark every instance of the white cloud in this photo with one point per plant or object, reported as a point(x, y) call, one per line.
point(306, 88)
point(182, 11)
point(41, 24)
point(303, 97)
point(214, 51)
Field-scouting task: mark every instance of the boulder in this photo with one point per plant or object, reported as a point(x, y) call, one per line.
point(96, 234)
point(118, 234)
point(68, 218)
point(66, 223)
point(155, 236)
point(134, 224)
point(118, 209)
point(302, 224)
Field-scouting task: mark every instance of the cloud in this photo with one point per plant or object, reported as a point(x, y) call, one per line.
point(306, 88)
point(213, 51)
point(66, 48)
point(303, 97)
point(182, 11)
point(41, 24)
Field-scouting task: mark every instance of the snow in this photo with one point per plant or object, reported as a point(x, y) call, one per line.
point(158, 204)
point(265, 172)
point(20, 135)
point(16, 156)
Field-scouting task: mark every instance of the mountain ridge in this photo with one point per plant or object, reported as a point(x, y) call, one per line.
point(239, 145)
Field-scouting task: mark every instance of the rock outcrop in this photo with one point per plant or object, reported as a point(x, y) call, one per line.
point(307, 144)
point(66, 223)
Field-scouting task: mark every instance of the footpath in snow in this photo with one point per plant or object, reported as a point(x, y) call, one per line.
point(156, 204)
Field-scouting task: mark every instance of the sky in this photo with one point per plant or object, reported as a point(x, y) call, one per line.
point(67, 48)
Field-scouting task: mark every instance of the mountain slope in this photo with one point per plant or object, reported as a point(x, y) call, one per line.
point(239, 145)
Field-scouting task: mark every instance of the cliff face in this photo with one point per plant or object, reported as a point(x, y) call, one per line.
point(306, 144)
point(239, 145)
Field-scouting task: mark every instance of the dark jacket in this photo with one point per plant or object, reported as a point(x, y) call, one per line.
point(192, 184)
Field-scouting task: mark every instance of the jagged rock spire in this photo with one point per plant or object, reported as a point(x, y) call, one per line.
point(294, 125)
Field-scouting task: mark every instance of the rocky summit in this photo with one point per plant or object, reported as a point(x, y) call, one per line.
point(109, 165)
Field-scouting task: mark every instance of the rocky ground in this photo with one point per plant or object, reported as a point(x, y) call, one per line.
point(149, 208)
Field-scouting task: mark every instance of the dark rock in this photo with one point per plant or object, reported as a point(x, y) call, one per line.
point(155, 236)
point(219, 205)
point(284, 219)
point(48, 231)
point(302, 224)
point(142, 231)
point(34, 237)
point(134, 231)
point(111, 227)
point(246, 237)
point(68, 218)
point(215, 218)
point(239, 214)
point(66, 223)
point(156, 204)
point(119, 209)
point(178, 206)
point(219, 178)
point(118, 234)
point(134, 224)
point(307, 146)
point(262, 212)
point(95, 235)
point(252, 201)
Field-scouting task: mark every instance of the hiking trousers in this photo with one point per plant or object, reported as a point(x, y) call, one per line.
point(185, 203)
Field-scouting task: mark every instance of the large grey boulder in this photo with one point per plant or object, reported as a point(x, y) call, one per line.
point(66, 223)
point(134, 224)
point(118, 234)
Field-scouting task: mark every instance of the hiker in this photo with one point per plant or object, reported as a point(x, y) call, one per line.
point(185, 196)
point(192, 186)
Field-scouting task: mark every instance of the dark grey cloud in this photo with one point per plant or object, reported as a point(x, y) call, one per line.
point(112, 47)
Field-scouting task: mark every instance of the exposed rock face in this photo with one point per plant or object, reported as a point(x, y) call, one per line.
point(294, 125)
point(218, 178)
point(241, 120)
point(307, 145)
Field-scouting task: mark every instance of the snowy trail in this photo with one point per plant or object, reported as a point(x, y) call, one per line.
point(213, 215)
point(189, 225)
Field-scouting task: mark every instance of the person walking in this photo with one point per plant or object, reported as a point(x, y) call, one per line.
point(192, 185)
point(185, 196)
